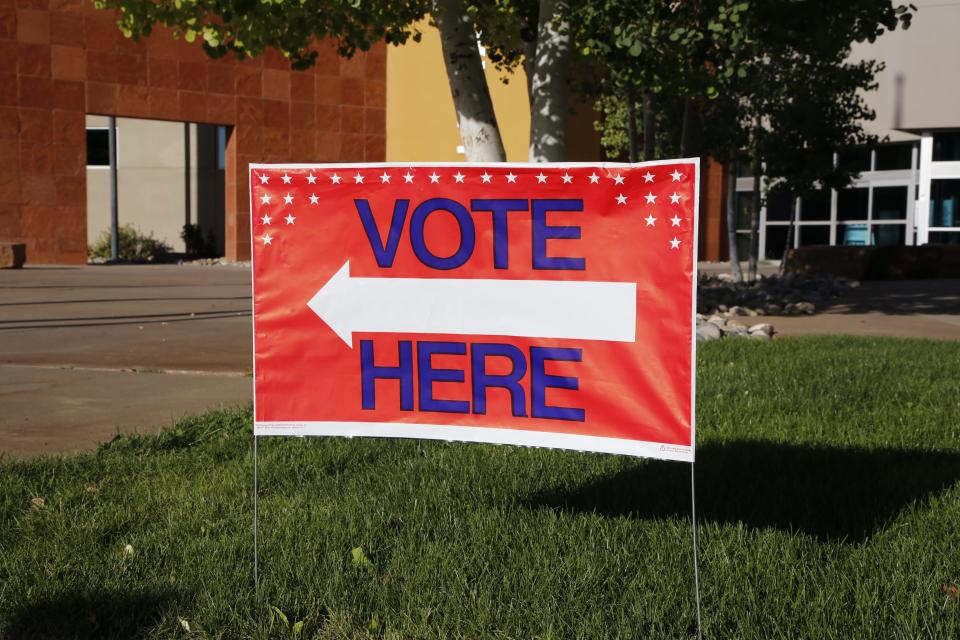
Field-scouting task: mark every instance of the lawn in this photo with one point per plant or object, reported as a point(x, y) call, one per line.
point(828, 487)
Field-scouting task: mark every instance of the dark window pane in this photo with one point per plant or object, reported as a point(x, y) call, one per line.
point(776, 241)
point(890, 203)
point(815, 235)
point(855, 160)
point(98, 148)
point(944, 237)
point(852, 204)
point(744, 209)
point(815, 206)
point(744, 167)
point(946, 146)
point(889, 234)
point(853, 235)
point(743, 245)
point(944, 198)
point(778, 206)
point(891, 157)
point(221, 148)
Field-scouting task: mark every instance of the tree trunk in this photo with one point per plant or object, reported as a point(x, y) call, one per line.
point(632, 122)
point(754, 258)
point(549, 87)
point(649, 127)
point(471, 96)
point(732, 219)
point(690, 139)
point(791, 230)
point(529, 64)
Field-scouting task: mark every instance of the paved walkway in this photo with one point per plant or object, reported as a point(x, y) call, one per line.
point(86, 352)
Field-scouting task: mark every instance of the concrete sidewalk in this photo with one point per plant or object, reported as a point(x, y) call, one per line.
point(86, 352)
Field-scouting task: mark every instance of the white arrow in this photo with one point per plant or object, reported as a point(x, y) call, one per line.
point(533, 308)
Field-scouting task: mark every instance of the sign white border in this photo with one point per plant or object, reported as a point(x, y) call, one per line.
point(493, 435)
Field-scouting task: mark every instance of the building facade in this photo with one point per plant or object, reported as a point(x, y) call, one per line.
point(62, 61)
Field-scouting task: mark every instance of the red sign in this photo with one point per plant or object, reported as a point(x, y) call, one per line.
point(544, 305)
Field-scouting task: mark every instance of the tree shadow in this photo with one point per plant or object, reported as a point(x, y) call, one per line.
point(830, 493)
point(97, 614)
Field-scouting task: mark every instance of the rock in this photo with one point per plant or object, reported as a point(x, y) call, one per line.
point(853, 284)
point(722, 308)
point(720, 321)
point(759, 336)
point(763, 327)
point(708, 331)
point(806, 307)
point(738, 311)
point(735, 328)
point(753, 313)
point(12, 255)
point(773, 309)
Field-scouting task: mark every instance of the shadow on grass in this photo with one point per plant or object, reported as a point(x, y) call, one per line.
point(99, 614)
point(830, 493)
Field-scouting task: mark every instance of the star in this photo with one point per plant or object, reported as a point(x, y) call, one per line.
point(651, 221)
point(651, 199)
point(434, 178)
point(335, 179)
point(267, 239)
point(675, 221)
point(541, 178)
point(385, 178)
point(675, 199)
point(311, 179)
point(358, 179)
point(408, 177)
point(621, 199)
point(594, 178)
point(290, 218)
point(288, 199)
point(458, 177)
point(618, 179)
point(264, 178)
point(314, 199)
point(511, 177)
point(264, 199)
point(567, 178)
point(676, 175)
point(286, 179)
point(674, 244)
point(265, 219)
point(486, 177)
point(648, 177)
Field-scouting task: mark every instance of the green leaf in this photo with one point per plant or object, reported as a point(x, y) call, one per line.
point(360, 559)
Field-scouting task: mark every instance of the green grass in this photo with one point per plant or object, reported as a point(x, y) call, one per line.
point(828, 486)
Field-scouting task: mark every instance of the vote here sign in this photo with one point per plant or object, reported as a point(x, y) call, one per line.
point(545, 305)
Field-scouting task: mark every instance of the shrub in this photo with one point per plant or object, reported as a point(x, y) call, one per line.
point(196, 244)
point(132, 246)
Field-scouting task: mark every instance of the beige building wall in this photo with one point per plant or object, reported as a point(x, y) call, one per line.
point(421, 121)
point(151, 185)
point(920, 87)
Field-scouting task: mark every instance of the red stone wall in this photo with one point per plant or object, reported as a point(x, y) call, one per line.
point(62, 59)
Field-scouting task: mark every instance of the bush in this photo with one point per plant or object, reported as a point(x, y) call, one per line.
point(196, 244)
point(132, 246)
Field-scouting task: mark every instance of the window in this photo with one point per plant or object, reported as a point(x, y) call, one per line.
point(893, 157)
point(98, 147)
point(944, 198)
point(890, 203)
point(221, 148)
point(852, 203)
point(889, 234)
point(744, 167)
point(856, 159)
point(853, 235)
point(944, 237)
point(946, 147)
point(744, 209)
point(776, 241)
point(779, 205)
point(811, 235)
point(815, 206)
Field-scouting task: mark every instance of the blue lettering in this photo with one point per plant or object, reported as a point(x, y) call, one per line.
point(369, 373)
point(500, 209)
point(511, 381)
point(383, 252)
point(540, 381)
point(464, 222)
point(543, 232)
point(428, 375)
